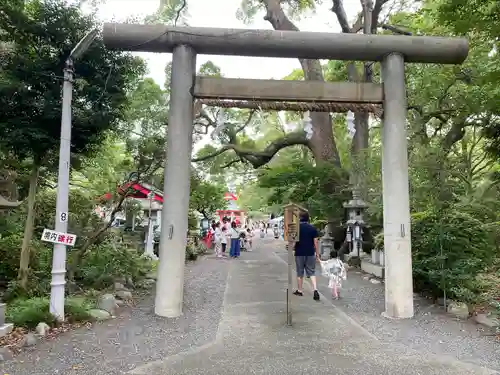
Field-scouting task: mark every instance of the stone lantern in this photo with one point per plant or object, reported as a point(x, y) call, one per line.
point(355, 224)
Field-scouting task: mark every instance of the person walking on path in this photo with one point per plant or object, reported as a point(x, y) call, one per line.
point(335, 270)
point(218, 240)
point(306, 255)
point(234, 251)
point(224, 241)
point(249, 239)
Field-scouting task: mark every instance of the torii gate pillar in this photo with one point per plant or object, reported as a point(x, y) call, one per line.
point(396, 194)
point(174, 218)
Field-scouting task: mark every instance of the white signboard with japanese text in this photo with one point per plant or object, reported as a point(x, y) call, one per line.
point(57, 237)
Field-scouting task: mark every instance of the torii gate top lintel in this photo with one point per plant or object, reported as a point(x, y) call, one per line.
point(291, 44)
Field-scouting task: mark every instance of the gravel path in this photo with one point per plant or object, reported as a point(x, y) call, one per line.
point(431, 331)
point(137, 335)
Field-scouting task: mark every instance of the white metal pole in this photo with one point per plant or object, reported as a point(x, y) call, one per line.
point(149, 240)
point(59, 257)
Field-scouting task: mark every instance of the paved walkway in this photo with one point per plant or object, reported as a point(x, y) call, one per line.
point(234, 324)
point(431, 331)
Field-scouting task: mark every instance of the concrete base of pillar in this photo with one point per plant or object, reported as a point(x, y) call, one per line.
point(150, 256)
point(387, 316)
point(6, 329)
point(355, 254)
point(372, 268)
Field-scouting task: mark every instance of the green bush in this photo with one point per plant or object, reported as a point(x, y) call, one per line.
point(194, 250)
point(76, 309)
point(378, 241)
point(191, 252)
point(40, 267)
point(109, 261)
point(450, 248)
point(319, 224)
point(9, 254)
point(28, 313)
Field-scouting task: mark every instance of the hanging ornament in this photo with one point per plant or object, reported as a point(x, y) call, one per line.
point(221, 124)
point(351, 127)
point(308, 128)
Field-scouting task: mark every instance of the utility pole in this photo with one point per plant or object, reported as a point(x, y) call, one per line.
point(149, 251)
point(58, 282)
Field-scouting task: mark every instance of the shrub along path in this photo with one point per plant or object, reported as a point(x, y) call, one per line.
point(234, 324)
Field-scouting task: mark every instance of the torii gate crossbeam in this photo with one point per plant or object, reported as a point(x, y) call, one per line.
point(186, 42)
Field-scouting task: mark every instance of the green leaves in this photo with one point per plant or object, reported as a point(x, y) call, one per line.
point(450, 248)
point(320, 188)
point(206, 197)
point(466, 16)
point(41, 35)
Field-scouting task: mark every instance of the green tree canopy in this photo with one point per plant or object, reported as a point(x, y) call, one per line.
point(41, 35)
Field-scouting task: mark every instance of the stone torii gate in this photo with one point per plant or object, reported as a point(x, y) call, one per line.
point(391, 50)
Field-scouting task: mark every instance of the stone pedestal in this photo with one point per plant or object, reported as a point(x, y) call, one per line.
point(326, 246)
point(5, 328)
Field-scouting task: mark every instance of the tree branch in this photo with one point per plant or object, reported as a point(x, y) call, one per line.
point(213, 154)
point(178, 15)
point(395, 30)
point(232, 162)
point(258, 158)
point(339, 10)
point(247, 122)
point(322, 143)
point(358, 24)
point(455, 134)
point(377, 9)
point(441, 115)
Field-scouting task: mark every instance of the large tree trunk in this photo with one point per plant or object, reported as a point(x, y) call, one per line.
point(24, 261)
point(322, 143)
point(360, 141)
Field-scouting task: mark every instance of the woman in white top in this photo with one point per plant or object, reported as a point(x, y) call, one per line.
point(218, 240)
point(224, 240)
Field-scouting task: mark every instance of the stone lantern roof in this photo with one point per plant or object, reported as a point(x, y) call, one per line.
point(6, 205)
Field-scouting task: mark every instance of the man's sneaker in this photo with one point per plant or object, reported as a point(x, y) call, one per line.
point(316, 295)
point(298, 293)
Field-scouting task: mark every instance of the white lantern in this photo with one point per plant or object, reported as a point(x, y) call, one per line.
point(308, 128)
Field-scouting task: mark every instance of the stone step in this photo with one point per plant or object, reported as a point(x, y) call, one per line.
point(5, 329)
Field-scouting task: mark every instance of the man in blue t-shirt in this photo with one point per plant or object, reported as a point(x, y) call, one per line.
point(306, 254)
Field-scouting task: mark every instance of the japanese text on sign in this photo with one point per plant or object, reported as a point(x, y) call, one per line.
point(292, 227)
point(57, 237)
point(292, 232)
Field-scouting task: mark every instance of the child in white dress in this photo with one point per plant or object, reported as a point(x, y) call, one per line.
point(335, 270)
